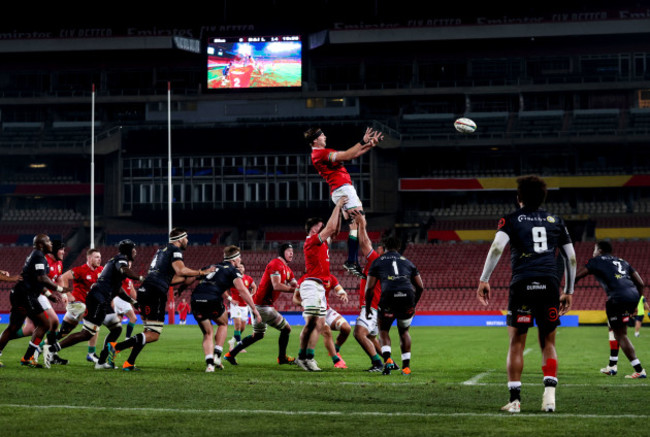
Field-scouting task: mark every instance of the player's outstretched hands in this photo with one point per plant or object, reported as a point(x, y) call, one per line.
point(342, 201)
point(372, 137)
point(483, 293)
point(565, 303)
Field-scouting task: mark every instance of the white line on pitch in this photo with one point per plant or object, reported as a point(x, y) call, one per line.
point(475, 379)
point(316, 413)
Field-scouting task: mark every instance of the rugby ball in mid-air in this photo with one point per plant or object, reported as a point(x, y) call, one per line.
point(465, 125)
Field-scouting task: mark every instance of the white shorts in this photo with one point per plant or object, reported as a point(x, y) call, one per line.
point(45, 302)
point(349, 191)
point(312, 294)
point(238, 312)
point(369, 324)
point(75, 311)
point(330, 316)
point(121, 306)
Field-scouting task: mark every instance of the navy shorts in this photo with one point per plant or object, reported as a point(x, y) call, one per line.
point(534, 300)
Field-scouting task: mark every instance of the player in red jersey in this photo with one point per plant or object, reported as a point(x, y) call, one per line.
point(183, 308)
point(312, 287)
point(239, 308)
point(277, 278)
point(82, 278)
point(329, 164)
point(366, 330)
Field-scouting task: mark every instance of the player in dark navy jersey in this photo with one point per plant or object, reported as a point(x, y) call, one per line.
point(98, 303)
point(33, 282)
point(401, 288)
point(535, 237)
point(623, 286)
point(166, 270)
point(207, 305)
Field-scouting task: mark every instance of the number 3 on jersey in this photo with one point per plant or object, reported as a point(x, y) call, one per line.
point(540, 244)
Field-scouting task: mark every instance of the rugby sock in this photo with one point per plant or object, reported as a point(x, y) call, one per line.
point(376, 360)
point(353, 246)
point(218, 350)
point(550, 372)
point(335, 359)
point(129, 329)
point(637, 365)
point(385, 352)
point(302, 354)
point(130, 342)
point(51, 338)
point(337, 347)
point(514, 387)
point(110, 338)
point(140, 342)
point(91, 350)
point(247, 341)
point(237, 336)
point(19, 333)
point(310, 354)
point(613, 349)
point(406, 359)
point(65, 329)
point(283, 341)
point(209, 360)
point(31, 349)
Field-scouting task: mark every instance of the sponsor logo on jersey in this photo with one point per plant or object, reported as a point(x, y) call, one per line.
point(550, 219)
point(525, 218)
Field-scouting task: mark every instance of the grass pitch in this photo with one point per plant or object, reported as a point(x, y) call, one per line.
point(457, 387)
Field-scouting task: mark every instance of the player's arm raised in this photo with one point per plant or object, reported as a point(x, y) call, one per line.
point(334, 222)
point(364, 240)
point(369, 140)
point(494, 254)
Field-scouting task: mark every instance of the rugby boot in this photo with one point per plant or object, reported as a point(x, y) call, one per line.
point(512, 407)
point(287, 360)
point(610, 370)
point(548, 399)
point(637, 375)
point(31, 363)
point(230, 359)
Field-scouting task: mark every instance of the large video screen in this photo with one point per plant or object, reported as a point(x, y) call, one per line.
point(254, 62)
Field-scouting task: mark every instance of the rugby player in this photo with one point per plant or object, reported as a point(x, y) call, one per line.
point(55, 263)
point(207, 304)
point(33, 282)
point(277, 278)
point(312, 287)
point(239, 308)
point(166, 269)
point(623, 286)
point(98, 304)
point(366, 330)
point(535, 236)
point(329, 164)
point(401, 288)
point(82, 277)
